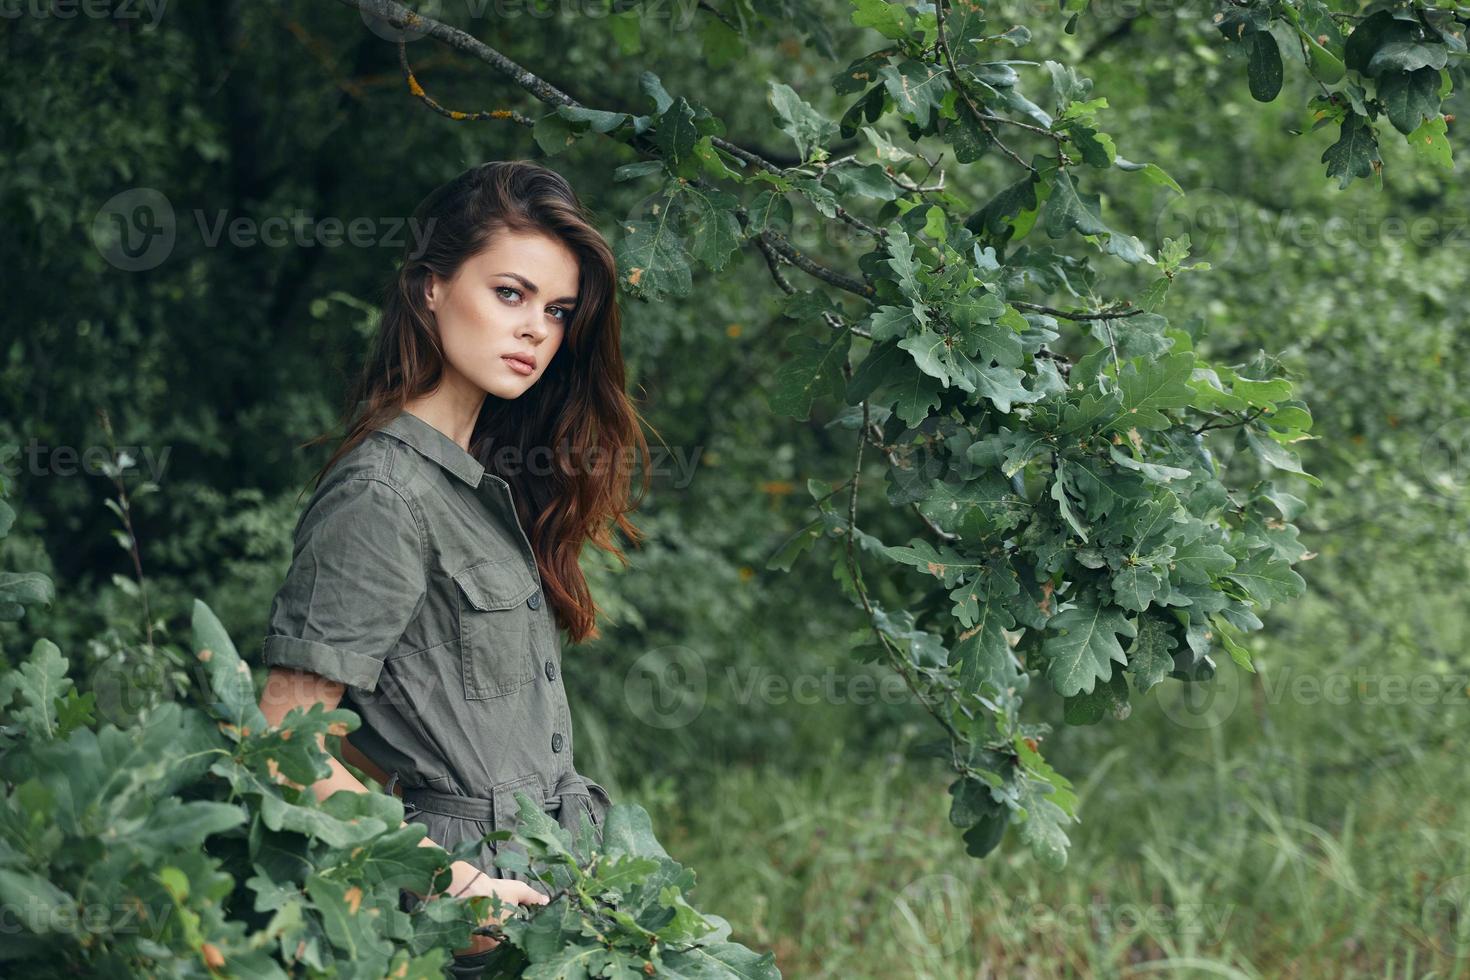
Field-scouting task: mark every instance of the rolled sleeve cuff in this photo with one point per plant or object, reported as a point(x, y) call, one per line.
point(333, 663)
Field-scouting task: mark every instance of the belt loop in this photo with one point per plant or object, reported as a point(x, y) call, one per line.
point(393, 781)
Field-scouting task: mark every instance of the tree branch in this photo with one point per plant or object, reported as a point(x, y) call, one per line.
point(457, 116)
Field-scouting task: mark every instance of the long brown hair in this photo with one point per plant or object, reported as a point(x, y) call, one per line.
point(578, 403)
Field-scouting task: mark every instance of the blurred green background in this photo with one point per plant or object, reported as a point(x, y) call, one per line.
point(1305, 821)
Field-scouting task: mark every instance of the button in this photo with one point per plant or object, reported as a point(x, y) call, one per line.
point(550, 671)
point(556, 741)
point(535, 601)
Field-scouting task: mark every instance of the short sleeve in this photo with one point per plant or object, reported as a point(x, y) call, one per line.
point(356, 581)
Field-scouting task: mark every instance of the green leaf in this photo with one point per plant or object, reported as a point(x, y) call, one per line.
point(808, 128)
point(814, 370)
point(1326, 66)
point(1238, 653)
point(597, 120)
point(769, 211)
point(40, 681)
point(1267, 579)
point(1263, 66)
point(1082, 645)
point(235, 700)
point(1042, 827)
point(798, 542)
point(173, 823)
point(39, 904)
point(1151, 654)
point(1148, 387)
point(1411, 97)
point(947, 566)
point(958, 361)
point(26, 588)
point(1069, 210)
point(1064, 504)
point(714, 231)
point(676, 137)
point(1152, 171)
point(628, 831)
point(1157, 472)
point(1199, 561)
point(1277, 455)
point(1109, 698)
point(889, 377)
point(889, 19)
point(553, 133)
point(651, 259)
point(1135, 586)
point(1407, 55)
point(535, 826)
point(973, 508)
point(720, 961)
point(1431, 144)
point(916, 87)
point(1355, 154)
point(353, 928)
point(968, 137)
point(983, 651)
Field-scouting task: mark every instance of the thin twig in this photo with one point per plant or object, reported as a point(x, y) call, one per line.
point(1115, 314)
point(456, 115)
point(1245, 420)
point(959, 84)
point(126, 513)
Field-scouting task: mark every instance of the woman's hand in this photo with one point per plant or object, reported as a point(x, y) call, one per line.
point(470, 881)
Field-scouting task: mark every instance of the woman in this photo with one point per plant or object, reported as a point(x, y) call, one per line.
point(437, 559)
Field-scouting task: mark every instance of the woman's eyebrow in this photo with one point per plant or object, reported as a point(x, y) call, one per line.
point(531, 288)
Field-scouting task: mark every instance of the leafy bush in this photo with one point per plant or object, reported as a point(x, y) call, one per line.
point(190, 843)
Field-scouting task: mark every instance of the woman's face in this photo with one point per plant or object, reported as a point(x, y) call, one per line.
point(506, 307)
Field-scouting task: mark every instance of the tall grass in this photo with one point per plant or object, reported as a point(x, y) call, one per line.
point(1250, 849)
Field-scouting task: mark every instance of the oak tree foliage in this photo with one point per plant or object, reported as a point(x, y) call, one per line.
point(1095, 508)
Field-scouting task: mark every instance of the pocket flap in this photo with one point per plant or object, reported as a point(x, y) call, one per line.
point(498, 584)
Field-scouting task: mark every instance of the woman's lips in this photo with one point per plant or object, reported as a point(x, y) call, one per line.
point(518, 366)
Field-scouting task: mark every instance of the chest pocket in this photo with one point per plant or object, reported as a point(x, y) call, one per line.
point(495, 627)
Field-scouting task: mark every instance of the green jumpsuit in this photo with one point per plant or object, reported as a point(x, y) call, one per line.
point(413, 584)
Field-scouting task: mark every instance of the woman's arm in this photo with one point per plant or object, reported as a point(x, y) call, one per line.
point(285, 689)
point(353, 757)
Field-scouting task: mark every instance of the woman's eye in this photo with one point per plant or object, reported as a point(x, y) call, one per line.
point(512, 289)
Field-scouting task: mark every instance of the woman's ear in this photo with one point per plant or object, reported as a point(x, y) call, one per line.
point(429, 289)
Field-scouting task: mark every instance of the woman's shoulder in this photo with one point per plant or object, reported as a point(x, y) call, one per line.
point(373, 468)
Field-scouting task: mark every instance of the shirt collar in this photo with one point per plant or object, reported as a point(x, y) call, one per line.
point(437, 446)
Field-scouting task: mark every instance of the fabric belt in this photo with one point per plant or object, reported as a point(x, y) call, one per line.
point(571, 784)
point(465, 807)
